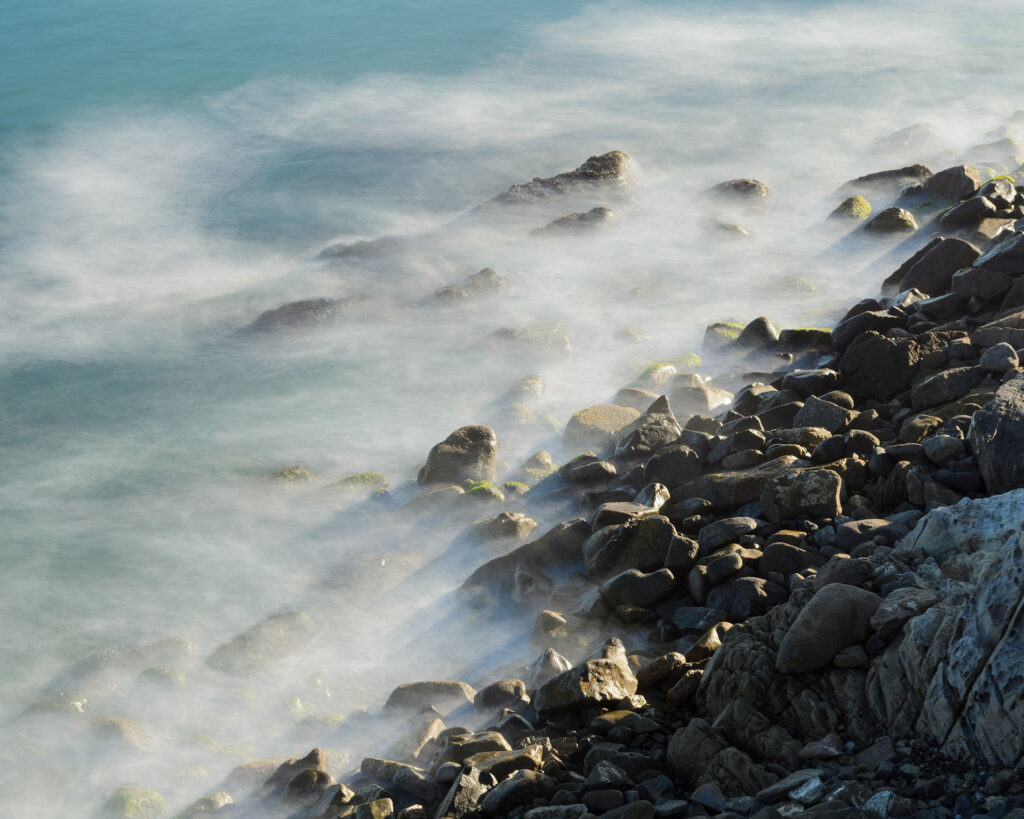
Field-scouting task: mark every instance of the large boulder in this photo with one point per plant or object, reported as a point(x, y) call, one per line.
point(836, 617)
point(876, 366)
point(997, 438)
point(640, 543)
point(601, 681)
point(468, 453)
point(442, 694)
point(656, 428)
point(966, 528)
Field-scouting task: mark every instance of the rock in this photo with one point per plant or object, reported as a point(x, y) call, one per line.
point(981, 282)
point(521, 788)
point(134, 803)
point(943, 448)
point(607, 679)
point(641, 543)
point(500, 764)
point(445, 695)
point(463, 796)
point(629, 720)
point(673, 465)
point(953, 184)
point(633, 587)
point(504, 525)
point(604, 774)
point(852, 533)
point(655, 429)
point(574, 811)
point(266, 642)
point(596, 427)
point(375, 809)
point(853, 209)
point(545, 339)
point(307, 786)
point(485, 282)
point(946, 386)
point(727, 530)
point(745, 597)
point(875, 366)
point(888, 183)
point(1000, 358)
point(829, 747)
point(971, 526)
point(595, 217)
point(836, 617)
point(809, 492)
point(1005, 257)
point(547, 666)
point(731, 489)
point(665, 668)
point(818, 413)
point(610, 170)
point(299, 315)
point(698, 399)
point(780, 789)
point(809, 793)
point(744, 190)
point(787, 559)
point(892, 220)
point(502, 694)
point(758, 333)
point(204, 806)
point(997, 438)
point(933, 273)
point(638, 399)
point(969, 212)
point(468, 453)
point(900, 606)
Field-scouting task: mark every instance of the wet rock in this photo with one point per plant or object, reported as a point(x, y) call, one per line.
point(889, 182)
point(500, 764)
point(610, 170)
point(307, 786)
point(593, 218)
point(853, 209)
point(655, 429)
point(463, 796)
point(836, 617)
point(502, 694)
point(204, 806)
point(543, 339)
point(875, 366)
point(633, 587)
point(745, 597)
point(547, 666)
point(892, 220)
point(758, 333)
point(742, 190)
point(504, 526)
point(521, 788)
point(298, 315)
point(997, 438)
point(606, 679)
point(263, 644)
point(969, 212)
point(811, 492)
point(134, 803)
point(1005, 257)
point(597, 427)
point(641, 543)
point(819, 413)
point(468, 453)
point(445, 695)
point(485, 282)
point(673, 465)
point(731, 489)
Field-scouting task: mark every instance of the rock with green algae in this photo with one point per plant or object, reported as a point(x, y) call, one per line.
point(596, 427)
point(892, 220)
point(127, 733)
point(168, 675)
point(537, 467)
point(204, 806)
point(263, 644)
point(482, 492)
point(514, 488)
point(366, 483)
point(293, 474)
point(134, 803)
point(855, 209)
point(721, 334)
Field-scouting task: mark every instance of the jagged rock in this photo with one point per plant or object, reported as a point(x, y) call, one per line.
point(468, 453)
point(971, 526)
point(875, 366)
point(412, 780)
point(655, 429)
point(836, 617)
point(276, 637)
point(997, 438)
point(463, 796)
point(899, 607)
point(1005, 257)
point(819, 413)
point(547, 666)
point(607, 170)
point(814, 492)
point(500, 764)
point(606, 679)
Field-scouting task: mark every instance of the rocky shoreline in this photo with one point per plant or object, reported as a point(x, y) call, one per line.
point(795, 587)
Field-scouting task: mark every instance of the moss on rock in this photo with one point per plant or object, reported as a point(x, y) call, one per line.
point(364, 482)
point(855, 208)
point(293, 474)
point(596, 426)
point(893, 220)
point(134, 803)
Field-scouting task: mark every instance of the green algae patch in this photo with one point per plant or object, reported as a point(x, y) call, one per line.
point(515, 487)
point(483, 490)
point(854, 209)
point(134, 803)
point(293, 474)
point(365, 482)
point(720, 334)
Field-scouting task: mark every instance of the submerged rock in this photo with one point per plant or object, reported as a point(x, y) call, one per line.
point(597, 427)
point(607, 170)
point(265, 643)
point(892, 220)
point(593, 218)
point(468, 453)
point(298, 315)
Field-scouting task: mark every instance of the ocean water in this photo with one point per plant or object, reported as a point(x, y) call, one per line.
point(170, 170)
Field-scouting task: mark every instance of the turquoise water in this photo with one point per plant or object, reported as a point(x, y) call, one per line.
point(169, 170)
